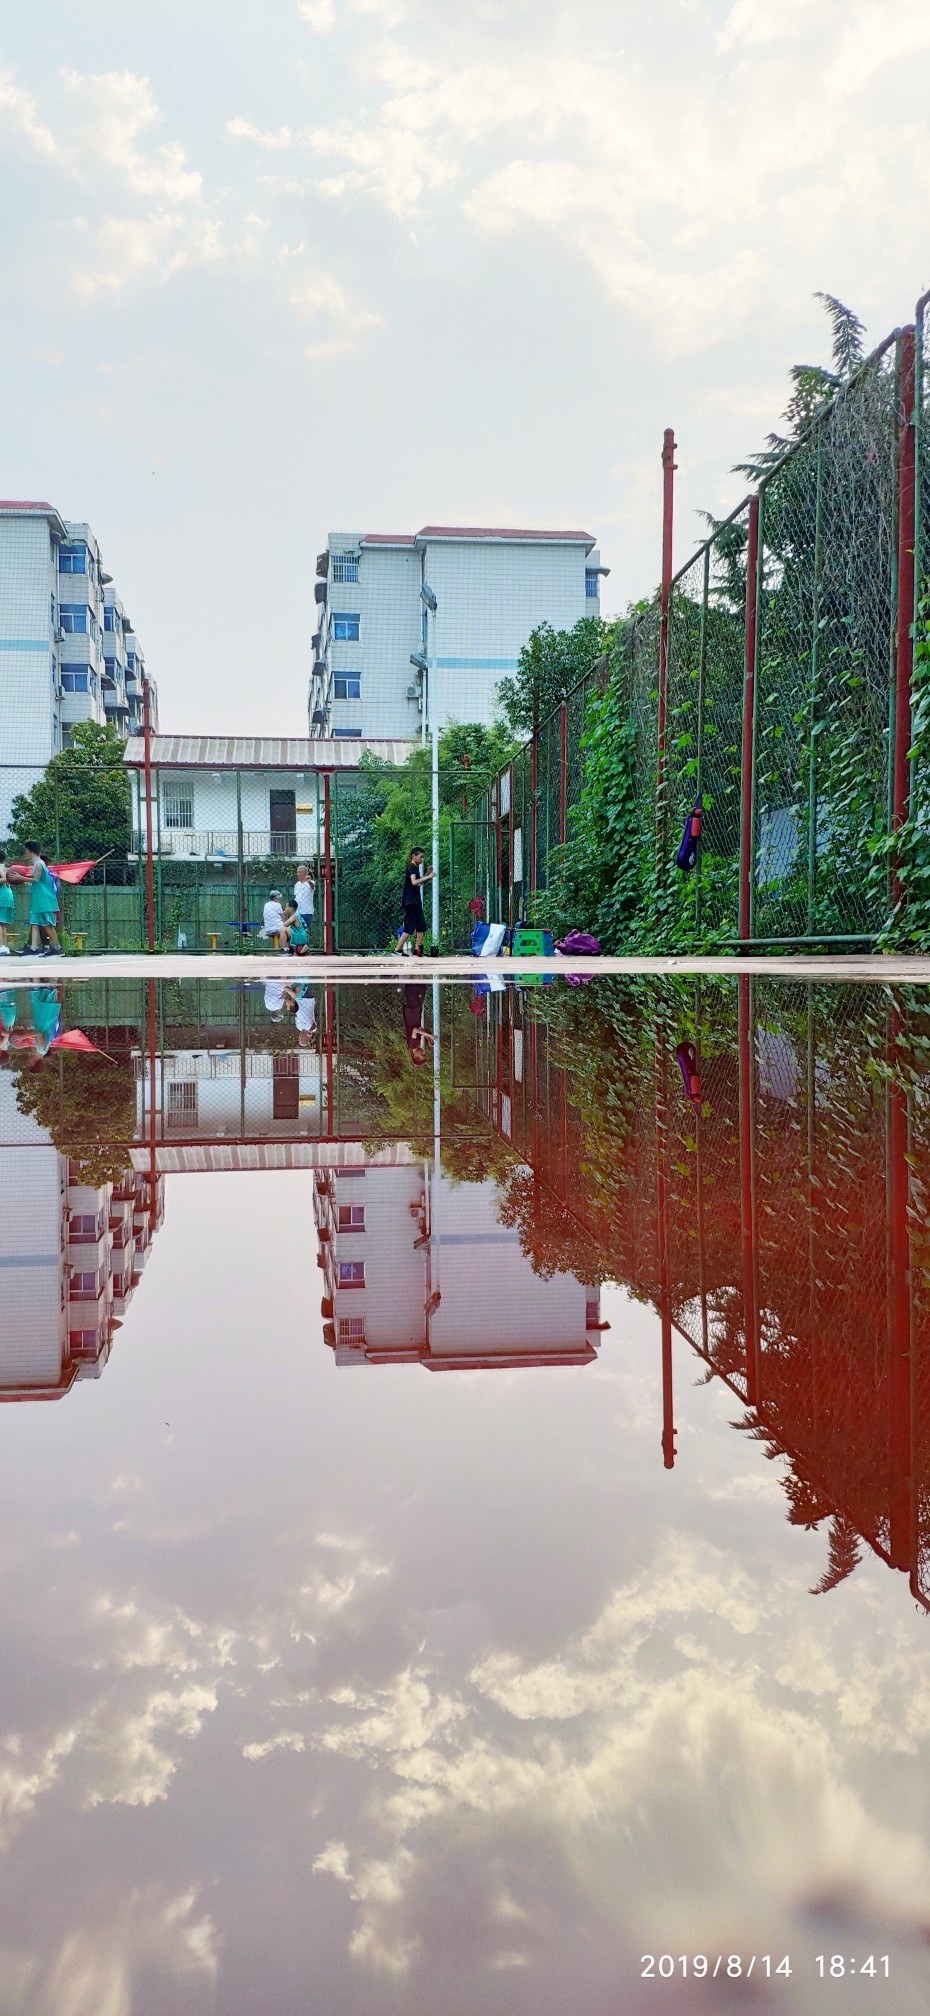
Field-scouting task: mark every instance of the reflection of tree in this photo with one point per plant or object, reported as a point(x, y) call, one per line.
point(87, 1106)
point(550, 1236)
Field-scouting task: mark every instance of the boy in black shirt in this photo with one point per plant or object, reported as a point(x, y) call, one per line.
point(414, 924)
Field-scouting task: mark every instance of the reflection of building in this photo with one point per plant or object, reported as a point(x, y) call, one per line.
point(71, 1254)
point(493, 586)
point(422, 1270)
point(69, 652)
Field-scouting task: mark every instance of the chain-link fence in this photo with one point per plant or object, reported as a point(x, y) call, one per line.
point(777, 691)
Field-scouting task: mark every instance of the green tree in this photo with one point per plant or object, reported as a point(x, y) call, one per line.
point(81, 806)
point(551, 663)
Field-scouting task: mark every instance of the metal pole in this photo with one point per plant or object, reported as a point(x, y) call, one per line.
point(904, 648)
point(153, 1087)
point(239, 857)
point(747, 806)
point(435, 1236)
point(665, 1306)
point(702, 677)
point(434, 761)
point(563, 775)
point(533, 809)
point(327, 866)
point(899, 1305)
point(812, 746)
point(750, 1317)
point(669, 466)
point(149, 861)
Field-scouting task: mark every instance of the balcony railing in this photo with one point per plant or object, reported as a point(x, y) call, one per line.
point(218, 844)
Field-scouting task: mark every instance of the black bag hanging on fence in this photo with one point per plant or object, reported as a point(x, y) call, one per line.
point(688, 851)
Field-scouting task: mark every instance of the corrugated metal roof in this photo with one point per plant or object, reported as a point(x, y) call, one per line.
point(217, 1156)
point(259, 752)
point(527, 536)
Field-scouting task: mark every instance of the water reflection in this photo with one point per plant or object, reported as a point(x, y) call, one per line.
point(751, 1160)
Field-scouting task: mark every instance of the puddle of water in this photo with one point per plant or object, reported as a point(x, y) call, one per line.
point(396, 1692)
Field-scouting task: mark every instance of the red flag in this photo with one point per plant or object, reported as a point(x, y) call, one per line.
point(71, 871)
point(75, 1039)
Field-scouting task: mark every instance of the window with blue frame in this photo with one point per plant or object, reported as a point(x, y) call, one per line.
point(347, 689)
point(345, 629)
point(344, 567)
point(131, 660)
point(591, 581)
point(347, 734)
point(75, 682)
point(72, 559)
point(76, 620)
point(111, 620)
point(351, 1273)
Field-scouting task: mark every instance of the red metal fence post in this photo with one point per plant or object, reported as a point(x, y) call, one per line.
point(904, 647)
point(747, 808)
point(149, 860)
point(669, 465)
point(563, 774)
point(747, 1190)
point(535, 788)
point(510, 848)
point(327, 866)
point(901, 1520)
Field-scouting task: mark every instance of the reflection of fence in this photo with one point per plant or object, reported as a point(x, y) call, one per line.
point(772, 676)
point(775, 1219)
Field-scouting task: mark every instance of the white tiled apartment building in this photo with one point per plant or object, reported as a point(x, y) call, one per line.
point(71, 1255)
point(68, 652)
point(377, 640)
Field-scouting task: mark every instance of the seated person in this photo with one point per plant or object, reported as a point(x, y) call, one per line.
point(296, 926)
point(273, 920)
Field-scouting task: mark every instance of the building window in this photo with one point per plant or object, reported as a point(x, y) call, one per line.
point(75, 682)
point(347, 734)
point(351, 1217)
point(84, 1287)
point(347, 1175)
point(345, 629)
point(347, 689)
point(84, 1226)
point(131, 660)
point(82, 1340)
point(351, 1273)
point(77, 620)
point(109, 666)
point(182, 1102)
point(111, 620)
point(72, 560)
point(351, 1329)
point(344, 567)
point(591, 581)
point(179, 811)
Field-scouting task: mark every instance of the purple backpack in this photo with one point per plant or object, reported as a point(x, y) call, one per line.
point(583, 946)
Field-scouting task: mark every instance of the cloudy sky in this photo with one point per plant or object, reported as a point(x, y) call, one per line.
point(365, 264)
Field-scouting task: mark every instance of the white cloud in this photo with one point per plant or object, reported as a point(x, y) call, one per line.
point(19, 111)
point(112, 111)
point(340, 326)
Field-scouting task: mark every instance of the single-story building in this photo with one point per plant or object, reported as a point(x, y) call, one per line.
point(232, 797)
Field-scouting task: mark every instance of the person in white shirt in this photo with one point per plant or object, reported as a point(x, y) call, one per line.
point(273, 923)
point(303, 895)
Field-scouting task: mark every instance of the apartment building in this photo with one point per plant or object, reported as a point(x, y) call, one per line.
point(71, 1254)
point(68, 651)
point(455, 604)
point(419, 1270)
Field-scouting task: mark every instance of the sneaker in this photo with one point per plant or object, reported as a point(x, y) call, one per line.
point(4, 948)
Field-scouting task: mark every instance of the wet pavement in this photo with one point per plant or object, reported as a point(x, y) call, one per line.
point(593, 1673)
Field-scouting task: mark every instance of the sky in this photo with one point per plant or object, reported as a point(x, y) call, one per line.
point(371, 264)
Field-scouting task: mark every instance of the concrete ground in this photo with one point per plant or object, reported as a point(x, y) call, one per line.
point(380, 969)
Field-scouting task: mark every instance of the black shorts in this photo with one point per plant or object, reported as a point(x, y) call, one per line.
point(414, 919)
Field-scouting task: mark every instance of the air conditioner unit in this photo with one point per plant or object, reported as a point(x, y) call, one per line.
point(413, 692)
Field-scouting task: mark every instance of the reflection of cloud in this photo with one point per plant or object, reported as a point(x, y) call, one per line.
point(656, 1762)
point(126, 1758)
point(95, 1969)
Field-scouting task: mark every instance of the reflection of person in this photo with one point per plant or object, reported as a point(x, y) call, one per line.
point(46, 1016)
point(415, 1035)
point(273, 920)
point(414, 924)
point(274, 999)
point(43, 905)
point(7, 1022)
point(303, 1008)
point(6, 903)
